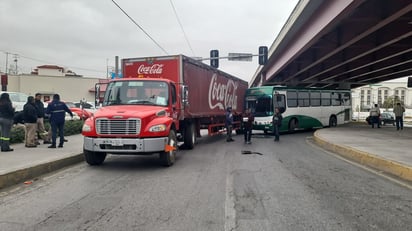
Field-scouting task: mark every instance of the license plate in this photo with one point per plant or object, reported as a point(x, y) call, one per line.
point(114, 142)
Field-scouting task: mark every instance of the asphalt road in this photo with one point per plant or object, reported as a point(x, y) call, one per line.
point(293, 185)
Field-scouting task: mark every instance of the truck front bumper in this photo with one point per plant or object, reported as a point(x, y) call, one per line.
point(122, 146)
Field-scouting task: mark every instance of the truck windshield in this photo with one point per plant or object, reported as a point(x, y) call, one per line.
point(137, 92)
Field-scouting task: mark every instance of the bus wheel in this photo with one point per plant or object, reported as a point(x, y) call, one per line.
point(293, 124)
point(167, 158)
point(333, 122)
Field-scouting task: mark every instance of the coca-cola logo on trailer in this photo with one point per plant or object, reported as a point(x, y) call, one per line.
point(222, 95)
point(152, 69)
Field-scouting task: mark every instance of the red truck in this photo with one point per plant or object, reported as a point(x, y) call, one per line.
point(159, 102)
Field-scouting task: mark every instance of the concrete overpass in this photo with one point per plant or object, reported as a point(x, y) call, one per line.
point(341, 44)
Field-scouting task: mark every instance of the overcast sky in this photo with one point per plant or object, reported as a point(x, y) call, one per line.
point(83, 34)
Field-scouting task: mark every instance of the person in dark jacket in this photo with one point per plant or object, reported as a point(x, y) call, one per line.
point(248, 119)
point(277, 122)
point(57, 111)
point(41, 131)
point(6, 121)
point(30, 121)
point(229, 124)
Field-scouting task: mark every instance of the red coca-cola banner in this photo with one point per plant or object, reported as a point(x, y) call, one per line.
point(167, 69)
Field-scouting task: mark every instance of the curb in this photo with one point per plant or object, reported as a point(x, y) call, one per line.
point(392, 167)
point(21, 175)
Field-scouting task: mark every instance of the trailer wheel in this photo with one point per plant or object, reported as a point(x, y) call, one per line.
point(190, 136)
point(94, 158)
point(168, 158)
point(293, 124)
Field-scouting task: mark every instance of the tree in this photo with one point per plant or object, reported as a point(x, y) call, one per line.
point(391, 101)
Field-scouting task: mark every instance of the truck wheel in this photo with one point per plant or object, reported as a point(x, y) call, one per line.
point(94, 158)
point(190, 136)
point(168, 158)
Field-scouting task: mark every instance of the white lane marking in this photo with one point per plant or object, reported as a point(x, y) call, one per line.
point(230, 212)
point(371, 170)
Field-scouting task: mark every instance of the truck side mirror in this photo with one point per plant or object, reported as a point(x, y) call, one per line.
point(185, 95)
point(97, 94)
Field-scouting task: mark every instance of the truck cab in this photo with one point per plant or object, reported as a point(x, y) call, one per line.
point(138, 116)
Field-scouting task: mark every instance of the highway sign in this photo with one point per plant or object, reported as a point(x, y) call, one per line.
point(240, 57)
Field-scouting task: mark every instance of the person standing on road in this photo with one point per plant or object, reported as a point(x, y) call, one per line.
point(57, 111)
point(399, 110)
point(41, 131)
point(30, 121)
point(374, 114)
point(6, 121)
point(229, 124)
point(277, 122)
point(248, 119)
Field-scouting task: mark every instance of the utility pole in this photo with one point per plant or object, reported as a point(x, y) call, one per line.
point(15, 60)
point(107, 68)
point(7, 59)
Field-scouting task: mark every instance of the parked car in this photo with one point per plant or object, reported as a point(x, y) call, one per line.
point(384, 119)
point(18, 99)
point(81, 112)
point(86, 105)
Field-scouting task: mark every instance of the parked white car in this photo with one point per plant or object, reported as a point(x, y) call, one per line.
point(18, 99)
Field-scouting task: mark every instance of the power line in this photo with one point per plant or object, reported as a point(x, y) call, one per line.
point(45, 61)
point(181, 26)
point(124, 12)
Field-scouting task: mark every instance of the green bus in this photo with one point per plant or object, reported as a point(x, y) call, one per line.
point(302, 108)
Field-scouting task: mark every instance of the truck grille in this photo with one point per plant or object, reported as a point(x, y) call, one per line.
point(116, 127)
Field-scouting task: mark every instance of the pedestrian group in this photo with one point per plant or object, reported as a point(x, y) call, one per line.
point(32, 117)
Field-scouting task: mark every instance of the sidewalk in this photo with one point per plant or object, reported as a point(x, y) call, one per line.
point(385, 148)
point(27, 163)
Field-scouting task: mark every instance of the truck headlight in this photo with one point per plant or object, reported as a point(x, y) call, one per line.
point(86, 128)
point(158, 128)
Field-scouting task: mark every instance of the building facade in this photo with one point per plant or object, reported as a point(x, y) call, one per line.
point(363, 98)
point(70, 88)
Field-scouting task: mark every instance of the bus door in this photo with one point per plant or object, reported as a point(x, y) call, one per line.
point(279, 101)
point(251, 103)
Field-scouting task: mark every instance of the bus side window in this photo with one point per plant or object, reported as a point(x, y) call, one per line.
point(292, 98)
point(346, 99)
point(326, 98)
point(336, 99)
point(280, 102)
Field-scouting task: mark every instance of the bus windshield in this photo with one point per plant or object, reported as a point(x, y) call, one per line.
point(263, 106)
point(137, 92)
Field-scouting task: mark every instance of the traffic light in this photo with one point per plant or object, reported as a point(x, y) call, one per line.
point(263, 55)
point(214, 58)
point(410, 82)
